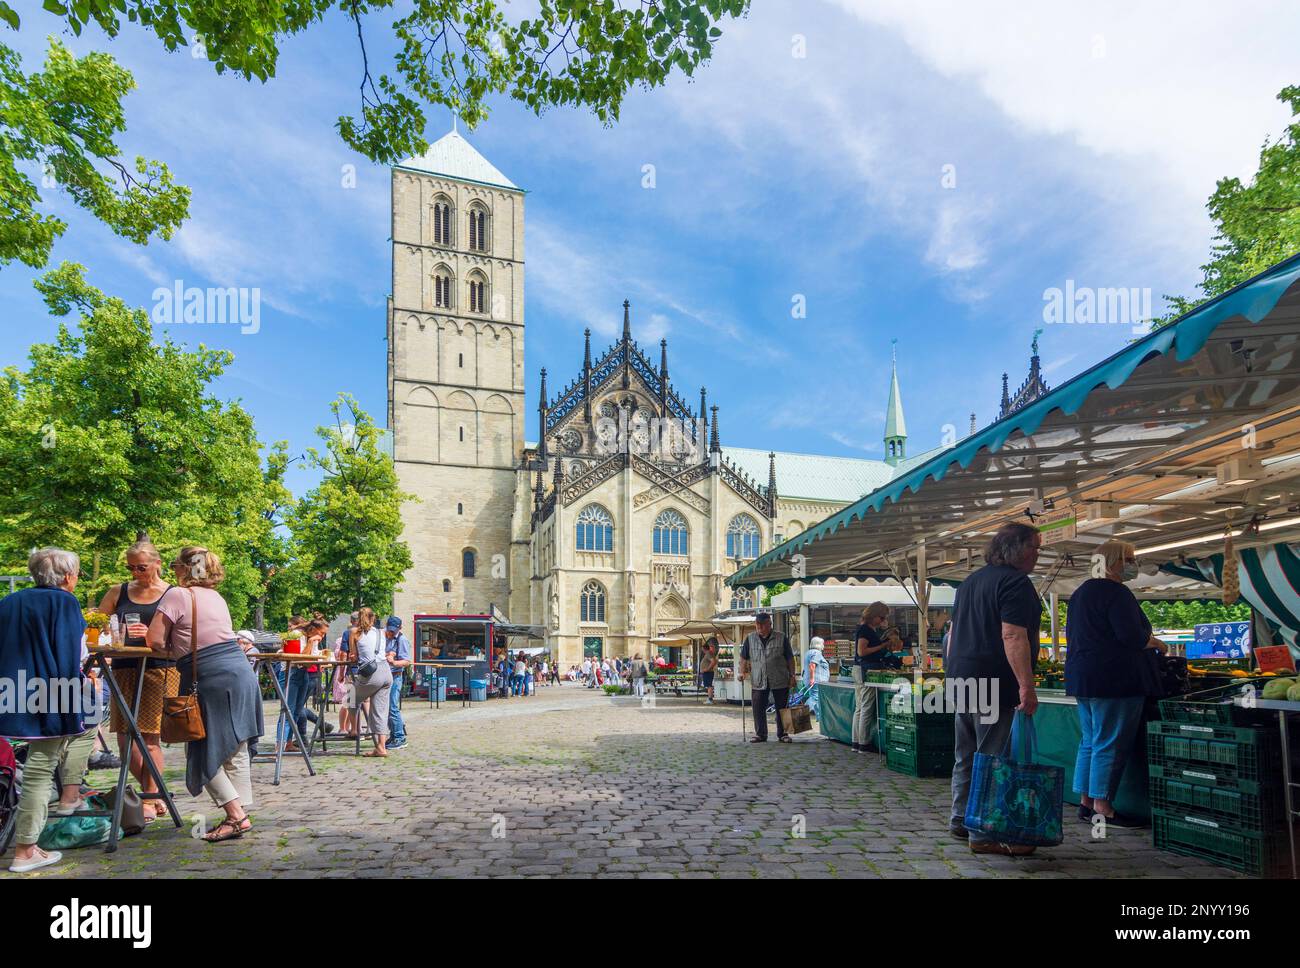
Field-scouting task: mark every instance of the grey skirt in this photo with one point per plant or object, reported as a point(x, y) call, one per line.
point(231, 703)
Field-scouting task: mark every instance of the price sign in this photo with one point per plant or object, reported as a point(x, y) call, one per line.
point(1057, 526)
point(1275, 658)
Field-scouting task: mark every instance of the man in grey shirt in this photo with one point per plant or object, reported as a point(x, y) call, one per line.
point(768, 656)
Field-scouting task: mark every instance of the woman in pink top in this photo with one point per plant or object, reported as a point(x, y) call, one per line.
point(195, 619)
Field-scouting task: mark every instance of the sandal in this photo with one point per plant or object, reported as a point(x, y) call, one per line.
point(233, 830)
point(375, 753)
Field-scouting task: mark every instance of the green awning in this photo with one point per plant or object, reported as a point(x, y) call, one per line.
point(1105, 429)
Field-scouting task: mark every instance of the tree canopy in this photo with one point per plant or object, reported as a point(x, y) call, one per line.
point(453, 54)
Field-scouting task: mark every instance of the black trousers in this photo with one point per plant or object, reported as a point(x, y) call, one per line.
point(779, 697)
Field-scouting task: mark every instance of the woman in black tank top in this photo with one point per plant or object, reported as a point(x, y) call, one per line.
point(162, 678)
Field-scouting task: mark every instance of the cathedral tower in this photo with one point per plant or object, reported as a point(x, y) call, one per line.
point(456, 373)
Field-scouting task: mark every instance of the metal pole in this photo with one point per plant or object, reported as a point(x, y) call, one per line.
point(1053, 599)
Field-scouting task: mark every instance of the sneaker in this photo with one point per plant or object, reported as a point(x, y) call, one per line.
point(104, 760)
point(708, 702)
point(39, 859)
point(959, 831)
point(396, 746)
point(759, 739)
point(329, 727)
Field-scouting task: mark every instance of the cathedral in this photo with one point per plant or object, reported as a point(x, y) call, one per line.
point(625, 514)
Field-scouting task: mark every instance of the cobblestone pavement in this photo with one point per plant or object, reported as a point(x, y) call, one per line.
point(570, 783)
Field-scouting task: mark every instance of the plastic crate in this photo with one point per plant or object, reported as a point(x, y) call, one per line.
point(1241, 753)
point(1214, 706)
point(1257, 855)
point(922, 735)
point(913, 762)
point(906, 710)
point(1244, 812)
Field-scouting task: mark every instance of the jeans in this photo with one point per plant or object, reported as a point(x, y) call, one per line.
point(44, 756)
point(972, 735)
point(396, 725)
point(638, 685)
point(1109, 728)
point(779, 698)
point(296, 696)
point(864, 710)
point(516, 685)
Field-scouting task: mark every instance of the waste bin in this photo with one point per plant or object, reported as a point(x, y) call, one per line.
point(442, 689)
point(477, 690)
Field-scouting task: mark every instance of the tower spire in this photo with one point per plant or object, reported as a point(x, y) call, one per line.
point(663, 377)
point(627, 341)
point(586, 376)
point(895, 426)
point(771, 484)
point(541, 418)
point(714, 446)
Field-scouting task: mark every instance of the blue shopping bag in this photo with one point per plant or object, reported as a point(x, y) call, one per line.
point(1015, 800)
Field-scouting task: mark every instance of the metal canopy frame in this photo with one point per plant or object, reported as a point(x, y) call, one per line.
point(1145, 450)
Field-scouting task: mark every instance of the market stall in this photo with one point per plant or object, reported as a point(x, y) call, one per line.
point(1185, 443)
point(728, 632)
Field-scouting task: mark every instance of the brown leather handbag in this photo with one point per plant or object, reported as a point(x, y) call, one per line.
point(182, 720)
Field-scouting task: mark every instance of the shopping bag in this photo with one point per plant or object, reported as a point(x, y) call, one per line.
point(796, 719)
point(1014, 800)
point(64, 833)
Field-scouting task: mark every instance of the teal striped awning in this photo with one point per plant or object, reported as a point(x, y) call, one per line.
point(1270, 583)
point(1164, 407)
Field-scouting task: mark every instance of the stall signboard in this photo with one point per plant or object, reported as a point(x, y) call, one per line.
point(1275, 658)
point(592, 647)
point(1057, 526)
point(1229, 640)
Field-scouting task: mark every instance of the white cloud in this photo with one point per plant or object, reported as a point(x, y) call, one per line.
point(1127, 80)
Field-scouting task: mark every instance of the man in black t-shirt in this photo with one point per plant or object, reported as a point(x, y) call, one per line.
point(991, 650)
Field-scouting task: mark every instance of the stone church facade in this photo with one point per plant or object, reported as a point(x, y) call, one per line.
point(624, 516)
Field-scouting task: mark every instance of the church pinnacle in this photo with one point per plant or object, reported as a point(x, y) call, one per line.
point(895, 427)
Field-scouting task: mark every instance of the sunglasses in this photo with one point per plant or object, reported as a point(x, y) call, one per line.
point(138, 568)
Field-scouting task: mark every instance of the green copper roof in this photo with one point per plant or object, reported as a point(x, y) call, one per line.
point(810, 476)
point(453, 156)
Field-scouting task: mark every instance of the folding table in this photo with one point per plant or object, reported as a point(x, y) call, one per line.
point(100, 656)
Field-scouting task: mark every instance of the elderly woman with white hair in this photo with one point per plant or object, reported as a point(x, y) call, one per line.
point(41, 633)
point(1107, 635)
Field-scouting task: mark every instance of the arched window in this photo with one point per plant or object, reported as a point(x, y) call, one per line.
point(671, 536)
point(477, 228)
point(743, 537)
point(477, 293)
point(595, 529)
point(442, 221)
point(443, 288)
point(467, 563)
point(742, 599)
point(592, 604)
point(446, 584)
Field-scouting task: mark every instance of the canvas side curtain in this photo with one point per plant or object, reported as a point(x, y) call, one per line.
point(1270, 583)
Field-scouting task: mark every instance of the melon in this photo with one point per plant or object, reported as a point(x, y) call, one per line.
point(1293, 694)
point(1278, 688)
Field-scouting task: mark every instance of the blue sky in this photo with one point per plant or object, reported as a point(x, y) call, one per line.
point(1083, 140)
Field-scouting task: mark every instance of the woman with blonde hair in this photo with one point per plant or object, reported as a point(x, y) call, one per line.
point(194, 625)
point(1109, 636)
point(135, 602)
point(373, 679)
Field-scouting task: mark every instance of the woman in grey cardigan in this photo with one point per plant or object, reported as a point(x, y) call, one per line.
point(229, 698)
point(368, 647)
